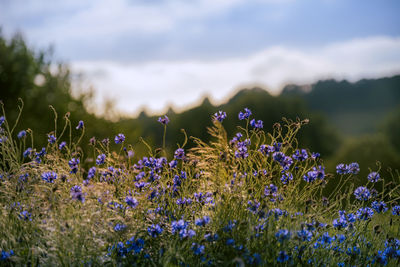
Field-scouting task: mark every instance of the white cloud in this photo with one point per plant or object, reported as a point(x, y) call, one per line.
point(155, 84)
point(79, 20)
point(96, 28)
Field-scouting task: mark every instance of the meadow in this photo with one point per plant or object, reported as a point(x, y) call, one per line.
point(254, 200)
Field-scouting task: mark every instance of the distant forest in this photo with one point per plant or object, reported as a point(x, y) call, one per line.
point(344, 117)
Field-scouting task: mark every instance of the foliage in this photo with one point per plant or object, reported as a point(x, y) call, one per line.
point(317, 135)
point(353, 108)
point(34, 78)
point(392, 129)
point(254, 199)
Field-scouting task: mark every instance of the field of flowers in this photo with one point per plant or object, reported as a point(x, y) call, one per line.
point(256, 199)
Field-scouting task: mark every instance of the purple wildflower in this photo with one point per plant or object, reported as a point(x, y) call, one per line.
point(220, 116)
point(119, 138)
point(164, 120)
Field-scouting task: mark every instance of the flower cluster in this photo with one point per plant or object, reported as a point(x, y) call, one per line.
point(49, 177)
point(254, 200)
point(352, 168)
point(220, 116)
point(73, 164)
point(76, 193)
point(164, 120)
point(244, 115)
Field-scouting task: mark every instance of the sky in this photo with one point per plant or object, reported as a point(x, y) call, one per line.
point(156, 54)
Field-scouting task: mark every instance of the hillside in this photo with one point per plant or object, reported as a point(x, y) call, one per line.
point(354, 108)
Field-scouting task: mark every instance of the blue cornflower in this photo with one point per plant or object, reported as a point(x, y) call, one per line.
point(365, 213)
point(190, 233)
point(236, 138)
point(275, 147)
point(73, 164)
point(340, 238)
point(286, 163)
point(2, 119)
point(315, 155)
point(277, 213)
point(211, 237)
point(21, 134)
point(51, 139)
point(62, 145)
point(22, 178)
point(270, 190)
point(164, 120)
point(100, 159)
point(362, 193)
point(244, 115)
point(253, 207)
point(41, 153)
point(173, 164)
point(230, 226)
point(282, 256)
point(141, 185)
point(202, 221)
point(131, 202)
point(49, 176)
point(340, 223)
point(279, 157)
point(119, 138)
point(80, 125)
point(25, 215)
point(373, 177)
point(342, 169)
point(282, 235)
point(381, 258)
point(76, 193)
point(300, 155)
point(220, 116)
point(256, 124)
point(283, 160)
point(319, 172)
point(325, 238)
point(353, 251)
point(198, 249)
point(354, 168)
point(27, 152)
point(396, 210)
point(379, 206)
point(304, 235)
point(154, 230)
point(135, 245)
point(351, 218)
point(230, 242)
point(181, 228)
point(241, 151)
point(91, 172)
point(178, 226)
point(263, 149)
point(179, 153)
point(311, 176)
point(286, 177)
point(4, 254)
point(119, 227)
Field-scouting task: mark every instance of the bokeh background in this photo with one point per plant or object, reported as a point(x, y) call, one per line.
point(120, 64)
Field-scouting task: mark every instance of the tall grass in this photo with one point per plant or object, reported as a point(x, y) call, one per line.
point(258, 199)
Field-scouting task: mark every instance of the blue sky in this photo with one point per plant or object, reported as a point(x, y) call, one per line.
point(157, 53)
